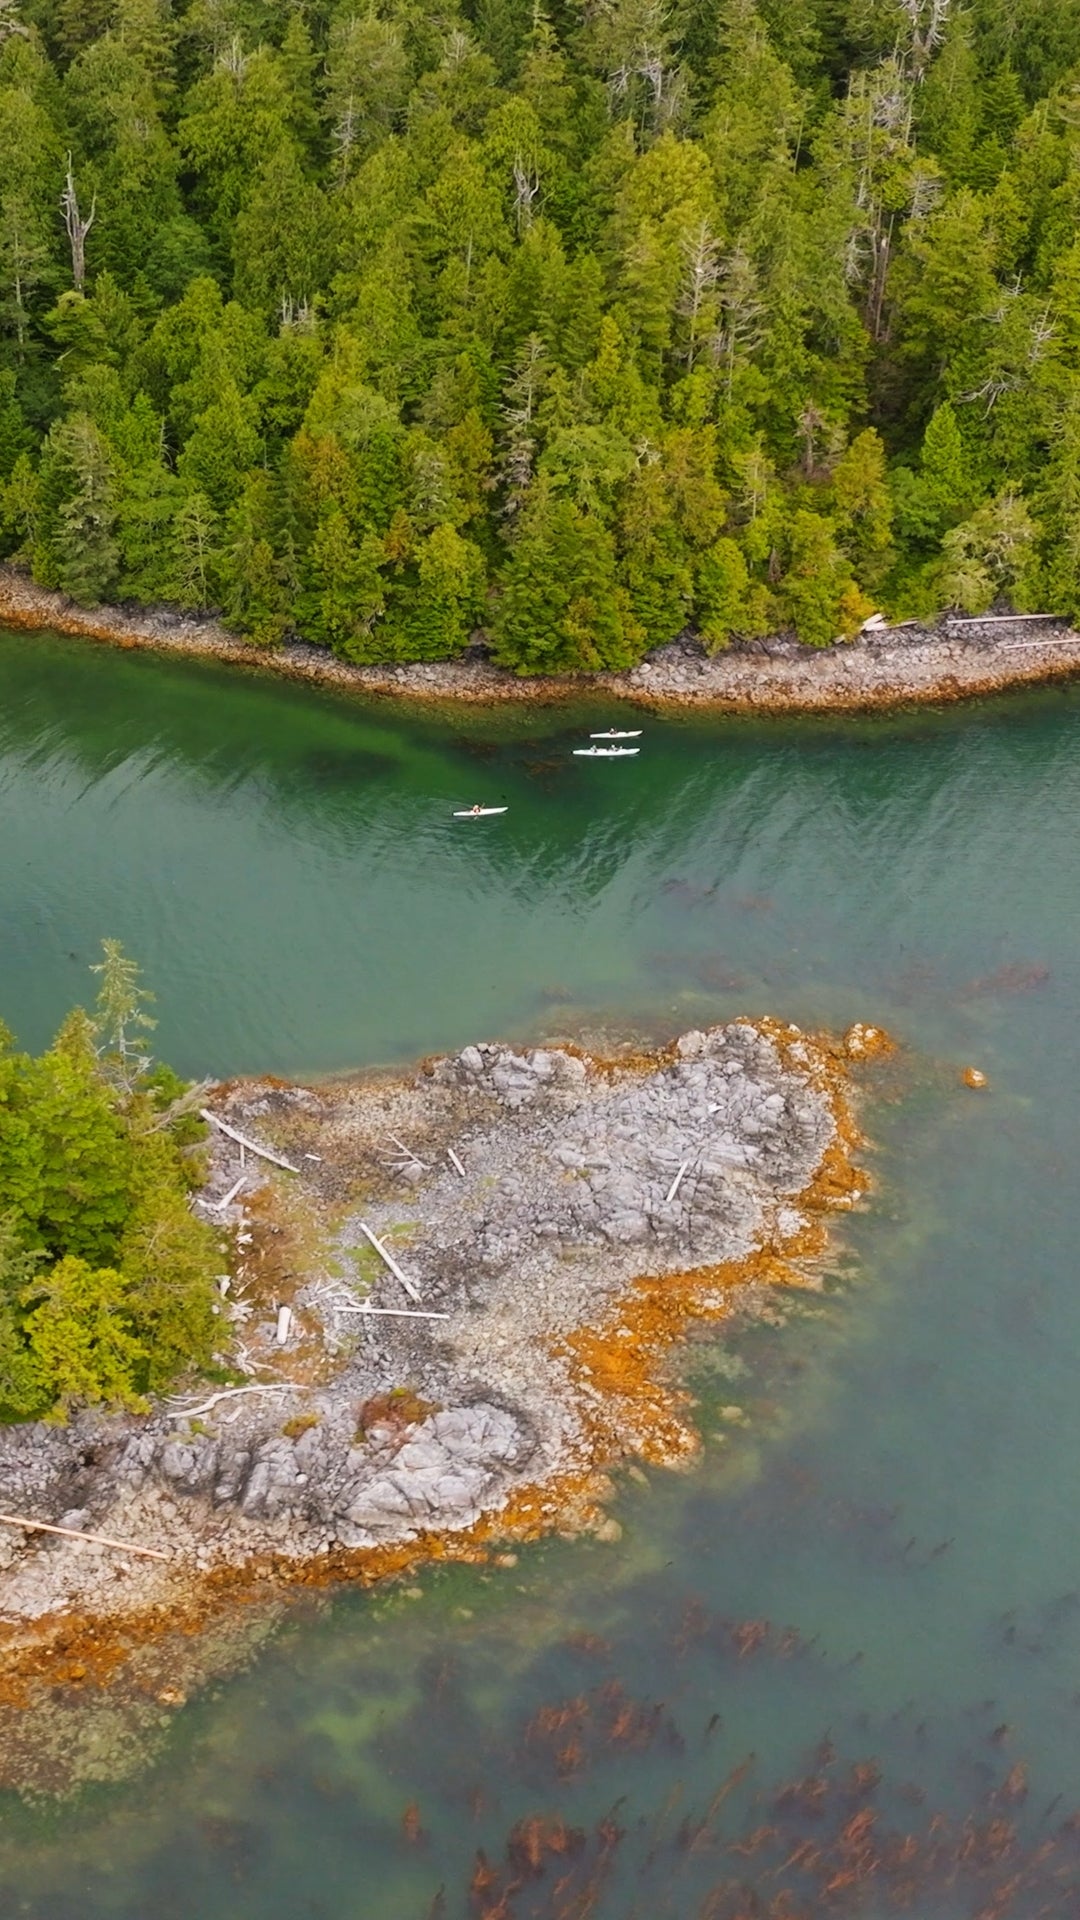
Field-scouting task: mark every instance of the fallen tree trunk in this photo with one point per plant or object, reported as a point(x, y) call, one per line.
point(77, 1533)
point(410, 1286)
point(242, 1140)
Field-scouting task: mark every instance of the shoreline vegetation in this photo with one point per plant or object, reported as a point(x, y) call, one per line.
point(961, 659)
point(554, 1222)
point(586, 326)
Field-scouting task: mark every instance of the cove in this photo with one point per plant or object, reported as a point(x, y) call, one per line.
point(897, 1489)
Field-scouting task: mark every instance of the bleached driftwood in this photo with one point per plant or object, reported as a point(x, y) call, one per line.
point(230, 1393)
point(220, 1205)
point(451, 1155)
point(408, 1152)
point(396, 1313)
point(676, 1184)
point(1022, 646)
point(996, 619)
point(410, 1286)
point(242, 1141)
point(77, 1533)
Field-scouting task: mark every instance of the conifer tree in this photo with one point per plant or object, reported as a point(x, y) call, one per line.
point(374, 306)
point(86, 1156)
point(81, 1349)
point(80, 495)
point(560, 609)
point(106, 1276)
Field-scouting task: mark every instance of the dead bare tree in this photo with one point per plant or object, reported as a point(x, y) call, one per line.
point(874, 146)
point(232, 59)
point(1024, 336)
point(345, 135)
point(740, 328)
point(526, 188)
point(811, 421)
point(701, 271)
point(928, 20)
point(10, 23)
point(634, 48)
point(518, 412)
point(77, 227)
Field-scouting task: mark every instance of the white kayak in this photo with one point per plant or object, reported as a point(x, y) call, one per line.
point(613, 734)
point(477, 813)
point(604, 753)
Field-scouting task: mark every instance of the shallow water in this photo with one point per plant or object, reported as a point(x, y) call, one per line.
point(900, 1491)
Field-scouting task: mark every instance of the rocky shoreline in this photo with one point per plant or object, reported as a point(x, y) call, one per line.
point(559, 1221)
point(886, 668)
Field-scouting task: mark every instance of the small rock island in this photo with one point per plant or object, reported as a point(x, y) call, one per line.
point(451, 1321)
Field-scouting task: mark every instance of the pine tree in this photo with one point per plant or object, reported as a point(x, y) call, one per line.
point(438, 600)
point(656, 565)
point(1058, 508)
point(255, 590)
point(107, 1279)
point(86, 1155)
point(82, 1350)
point(80, 484)
point(944, 488)
point(368, 71)
point(168, 1260)
point(282, 239)
point(193, 553)
point(15, 435)
point(817, 592)
point(222, 448)
point(21, 1391)
point(344, 592)
point(725, 601)
point(862, 504)
point(29, 175)
point(22, 1175)
point(989, 555)
point(121, 1024)
point(149, 500)
point(560, 609)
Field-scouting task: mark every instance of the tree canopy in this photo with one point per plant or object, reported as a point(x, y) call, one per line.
point(574, 324)
point(106, 1276)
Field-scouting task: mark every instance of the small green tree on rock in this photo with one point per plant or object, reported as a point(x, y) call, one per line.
point(107, 1279)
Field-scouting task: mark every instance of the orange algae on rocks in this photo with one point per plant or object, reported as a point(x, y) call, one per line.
point(628, 1398)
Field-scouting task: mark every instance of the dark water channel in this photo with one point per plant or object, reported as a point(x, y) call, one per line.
point(835, 1669)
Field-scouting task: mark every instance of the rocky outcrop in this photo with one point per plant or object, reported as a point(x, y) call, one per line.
point(533, 1200)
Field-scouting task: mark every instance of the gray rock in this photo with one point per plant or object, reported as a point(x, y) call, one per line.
point(562, 1207)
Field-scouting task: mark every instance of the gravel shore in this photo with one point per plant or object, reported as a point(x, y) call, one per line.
point(896, 667)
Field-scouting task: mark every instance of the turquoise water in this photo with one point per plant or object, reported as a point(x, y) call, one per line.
point(900, 1493)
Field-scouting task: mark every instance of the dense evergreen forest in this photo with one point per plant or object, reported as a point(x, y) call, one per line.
point(107, 1279)
point(378, 321)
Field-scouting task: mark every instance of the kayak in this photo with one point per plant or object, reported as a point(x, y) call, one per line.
point(477, 813)
point(604, 753)
point(612, 734)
